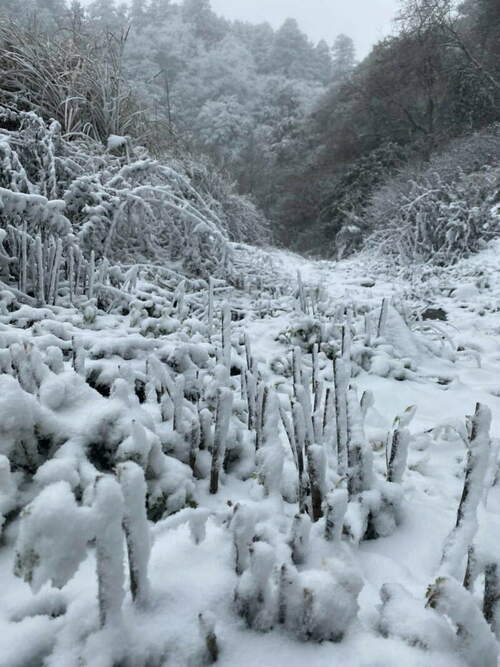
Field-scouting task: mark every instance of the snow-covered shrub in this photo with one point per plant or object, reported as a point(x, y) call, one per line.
point(134, 209)
point(320, 604)
point(374, 508)
point(439, 212)
point(305, 332)
point(78, 82)
point(405, 617)
point(312, 604)
point(255, 595)
point(70, 208)
point(461, 537)
point(53, 537)
point(20, 415)
point(475, 640)
point(241, 219)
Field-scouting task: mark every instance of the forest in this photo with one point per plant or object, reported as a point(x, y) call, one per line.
point(307, 135)
point(249, 339)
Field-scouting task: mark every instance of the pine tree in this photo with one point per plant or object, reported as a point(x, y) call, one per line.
point(323, 70)
point(293, 54)
point(344, 58)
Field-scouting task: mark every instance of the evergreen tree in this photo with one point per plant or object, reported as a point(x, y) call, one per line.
point(344, 58)
point(323, 69)
point(207, 25)
point(292, 54)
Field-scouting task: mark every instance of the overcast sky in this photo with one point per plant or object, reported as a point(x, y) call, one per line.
point(366, 21)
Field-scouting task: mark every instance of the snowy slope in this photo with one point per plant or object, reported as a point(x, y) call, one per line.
point(442, 367)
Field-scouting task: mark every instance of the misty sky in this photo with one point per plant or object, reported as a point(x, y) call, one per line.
point(366, 21)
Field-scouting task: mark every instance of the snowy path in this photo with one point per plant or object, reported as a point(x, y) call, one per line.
point(187, 579)
point(434, 483)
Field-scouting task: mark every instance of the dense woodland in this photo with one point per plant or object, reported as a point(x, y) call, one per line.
point(305, 132)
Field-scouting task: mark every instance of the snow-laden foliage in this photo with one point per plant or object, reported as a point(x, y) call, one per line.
point(44, 551)
point(204, 448)
point(435, 221)
point(70, 210)
point(132, 209)
point(442, 211)
point(477, 643)
point(220, 453)
point(435, 79)
point(73, 80)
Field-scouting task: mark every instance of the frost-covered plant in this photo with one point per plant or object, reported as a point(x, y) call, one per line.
point(270, 454)
point(67, 204)
point(224, 406)
point(397, 454)
point(475, 639)
point(241, 219)
point(140, 209)
point(461, 537)
point(53, 536)
point(312, 604)
point(403, 616)
point(109, 513)
point(243, 530)
point(77, 82)
point(319, 604)
point(426, 217)
point(255, 595)
point(305, 332)
point(133, 485)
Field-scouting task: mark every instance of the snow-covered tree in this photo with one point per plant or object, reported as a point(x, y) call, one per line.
point(343, 58)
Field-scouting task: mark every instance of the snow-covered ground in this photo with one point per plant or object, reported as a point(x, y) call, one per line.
point(443, 367)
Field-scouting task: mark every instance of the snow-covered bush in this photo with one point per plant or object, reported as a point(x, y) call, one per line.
point(72, 199)
point(240, 217)
point(474, 638)
point(405, 617)
point(53, 537)
point(442, 211)
point(77, 82)
point(312, 604)
point(20, 430)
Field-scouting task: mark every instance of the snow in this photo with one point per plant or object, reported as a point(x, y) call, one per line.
point(109, 514)
point(136, 527)
point(168, 407)
point(115, 141)
point(53, 537)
